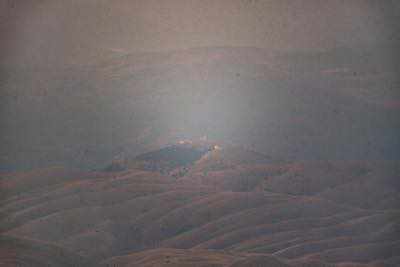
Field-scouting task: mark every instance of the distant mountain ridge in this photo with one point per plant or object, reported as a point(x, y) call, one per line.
point(289, 104)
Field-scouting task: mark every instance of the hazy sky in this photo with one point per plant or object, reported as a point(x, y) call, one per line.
point(51, 31)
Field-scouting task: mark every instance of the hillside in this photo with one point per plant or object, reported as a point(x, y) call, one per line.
point(33, 253)
point(232, 207)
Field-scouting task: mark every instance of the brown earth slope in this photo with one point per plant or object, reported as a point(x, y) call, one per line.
point(225, 211)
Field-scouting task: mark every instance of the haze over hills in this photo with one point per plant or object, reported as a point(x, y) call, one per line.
point(231, 207)
point(219, 133)
point(339, 104)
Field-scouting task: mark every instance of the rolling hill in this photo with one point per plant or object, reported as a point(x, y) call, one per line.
point(231, 207)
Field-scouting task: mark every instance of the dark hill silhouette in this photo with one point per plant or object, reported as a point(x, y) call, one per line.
point(177, 157)
point(172, 157)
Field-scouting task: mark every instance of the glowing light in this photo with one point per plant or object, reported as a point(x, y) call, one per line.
point(217, 147)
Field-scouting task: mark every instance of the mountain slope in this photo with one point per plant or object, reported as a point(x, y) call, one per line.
point(229, 200)
point(32, 253)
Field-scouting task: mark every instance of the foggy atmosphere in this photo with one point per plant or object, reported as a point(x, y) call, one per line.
point(200, 133)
